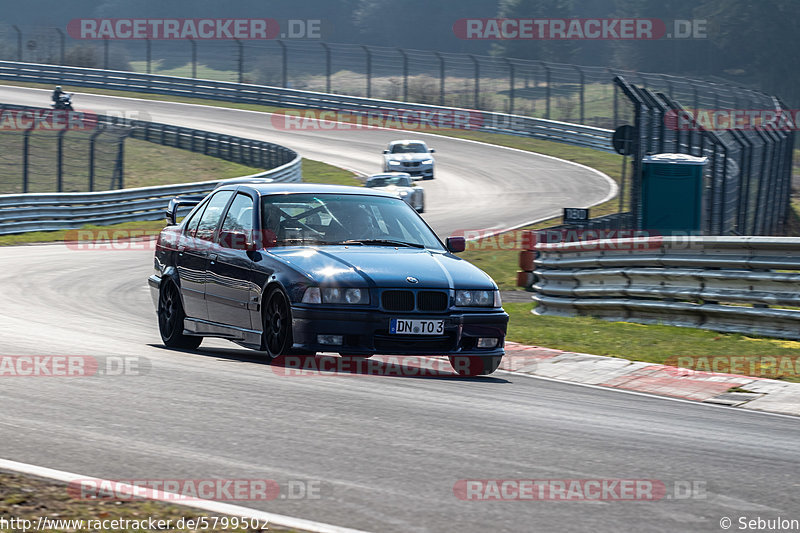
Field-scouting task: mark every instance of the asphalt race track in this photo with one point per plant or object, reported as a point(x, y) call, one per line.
point(477, 187)
point(386, 451)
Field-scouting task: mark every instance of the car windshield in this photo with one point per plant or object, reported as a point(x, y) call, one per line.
point(409, 148)
point(385, 181)
point(329, 219)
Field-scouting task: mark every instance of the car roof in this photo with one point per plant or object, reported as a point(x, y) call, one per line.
point(390, 175)
point(268, 189)
point(407, 141)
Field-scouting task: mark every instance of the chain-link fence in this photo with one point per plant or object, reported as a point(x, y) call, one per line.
point(748, 176)
point(570, 93)
point(64, 160)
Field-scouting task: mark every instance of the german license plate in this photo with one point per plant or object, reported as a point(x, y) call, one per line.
point(402, 326)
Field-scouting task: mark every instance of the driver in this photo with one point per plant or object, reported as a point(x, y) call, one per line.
point(358, 223)
point(57, 93)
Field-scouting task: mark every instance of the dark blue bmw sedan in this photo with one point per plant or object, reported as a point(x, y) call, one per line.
point(306, 268)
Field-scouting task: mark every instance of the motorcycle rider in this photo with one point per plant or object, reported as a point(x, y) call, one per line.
point(57, 93)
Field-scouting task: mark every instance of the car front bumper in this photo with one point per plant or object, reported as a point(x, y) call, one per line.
point(367, 332)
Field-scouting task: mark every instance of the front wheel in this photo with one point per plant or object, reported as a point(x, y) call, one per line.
point(475, 365)
point(277, 333)
point(170, 319)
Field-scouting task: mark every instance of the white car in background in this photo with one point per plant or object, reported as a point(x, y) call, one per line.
point(411, 156)
point(401, 185)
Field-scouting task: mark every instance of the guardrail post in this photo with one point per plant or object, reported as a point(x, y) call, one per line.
point(148, 54)
point(441, 77)
point(119, 170)
point(582, 93)
point(547, 89)
point(241, 60)
point(92, 141)
point(369, 69)
point(105, 53)
point(60, 161)
point(26, 143)
point(19, 42)
point(477, 76)
point(284, 64)
point(511, 83)
point(62, 46)
point(405, 73)
point(327, 66)
point(194, 57)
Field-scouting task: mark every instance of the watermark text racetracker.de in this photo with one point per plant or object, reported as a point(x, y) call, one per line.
point(353, 119)
point(579, 29)
point(186, 490)
point(72, 366)
point(578, 490)
point(46, 120)
point(202, 29)
point(760, 366)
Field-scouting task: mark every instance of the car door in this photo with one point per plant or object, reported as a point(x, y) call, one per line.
point(229, 280)
point(192, 257)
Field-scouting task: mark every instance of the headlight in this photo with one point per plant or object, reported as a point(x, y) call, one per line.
point(427, 161)
point(403, 193)
point(336, 295)
point(312, 296)
point(478, 298)
point(394, 162)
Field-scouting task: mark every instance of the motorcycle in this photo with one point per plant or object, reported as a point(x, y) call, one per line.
point(64, 102)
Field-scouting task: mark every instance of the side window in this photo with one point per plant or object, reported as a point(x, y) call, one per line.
point(194, 218)
point(212, 214)
point(240, 215)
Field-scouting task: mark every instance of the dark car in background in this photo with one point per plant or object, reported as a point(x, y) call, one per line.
point(306, 268)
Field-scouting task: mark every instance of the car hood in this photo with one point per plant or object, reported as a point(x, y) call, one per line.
point(383, 266)
point(407, 157)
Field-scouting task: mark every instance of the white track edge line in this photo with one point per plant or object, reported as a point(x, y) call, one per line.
point(649, 395)
point(204, 505)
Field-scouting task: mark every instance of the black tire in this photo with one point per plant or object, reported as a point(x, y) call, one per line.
point(170, 319)
point(475, 365)
point(276, 335)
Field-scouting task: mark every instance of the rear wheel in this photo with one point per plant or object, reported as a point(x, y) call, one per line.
point(170, 319)
point(475, 365)
point(277, 333)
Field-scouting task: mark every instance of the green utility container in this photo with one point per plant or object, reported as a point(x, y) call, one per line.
point(672, 193)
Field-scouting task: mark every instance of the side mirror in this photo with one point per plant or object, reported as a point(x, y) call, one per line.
point(386, 151)
point(432, 151)
point(178, 202)
point(456, 244)
point(236, 240)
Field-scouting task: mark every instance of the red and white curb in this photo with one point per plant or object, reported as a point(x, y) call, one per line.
point(203, 505)
point(709, 387)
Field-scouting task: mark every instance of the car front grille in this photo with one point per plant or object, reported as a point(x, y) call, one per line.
point(411, 163)
point(397, 300)
point(404, 300)
point(432, 301)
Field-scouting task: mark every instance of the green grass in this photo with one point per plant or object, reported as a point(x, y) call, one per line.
point(145, 164)
point(636, 342)
point(29, 498)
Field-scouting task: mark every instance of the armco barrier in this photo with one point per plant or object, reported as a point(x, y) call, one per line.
point(551, 130)
point(729, 284)
point(54, 211)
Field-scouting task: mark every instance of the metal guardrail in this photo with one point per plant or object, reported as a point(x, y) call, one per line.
point(574, 134)
point(728, 284)
point(56, 211)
